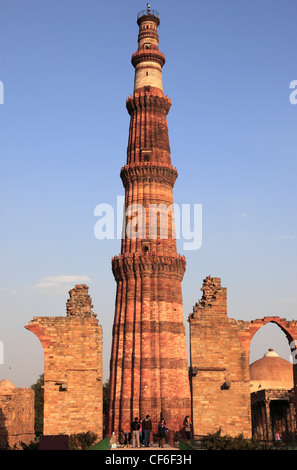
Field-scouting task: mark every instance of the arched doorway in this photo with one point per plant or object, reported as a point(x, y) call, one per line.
point(272, 382)
point(268, 336)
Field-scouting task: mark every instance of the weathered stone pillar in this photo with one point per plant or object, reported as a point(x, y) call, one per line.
point(269, 432)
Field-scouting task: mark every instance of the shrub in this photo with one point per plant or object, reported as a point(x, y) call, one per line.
point(82, 441)
point(217, 441)
point(31, 446)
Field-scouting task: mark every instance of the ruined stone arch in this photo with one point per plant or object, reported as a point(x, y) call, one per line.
point(72, 346)
point(289, 328)
point(219, 354)
point(273, 406)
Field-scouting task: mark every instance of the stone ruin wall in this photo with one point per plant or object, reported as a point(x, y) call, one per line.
point(219, 356)
point(73, 388)
point(219, 367)
point(16, 416)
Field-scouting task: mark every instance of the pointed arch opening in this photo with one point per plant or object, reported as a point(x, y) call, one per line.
point(268, 336)
point(272, 384)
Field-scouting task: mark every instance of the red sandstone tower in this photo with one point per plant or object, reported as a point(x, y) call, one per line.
point(148, 368)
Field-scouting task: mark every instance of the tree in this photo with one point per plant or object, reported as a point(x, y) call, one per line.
point(105, 402)
point(38, 404)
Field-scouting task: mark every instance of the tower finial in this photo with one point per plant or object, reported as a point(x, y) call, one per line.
point(148, 7)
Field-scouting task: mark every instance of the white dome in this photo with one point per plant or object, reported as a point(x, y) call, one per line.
point(271, 353)
point(271, 372)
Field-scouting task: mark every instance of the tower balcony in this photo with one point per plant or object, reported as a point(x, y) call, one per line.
point(148, 55)
point(149, 14)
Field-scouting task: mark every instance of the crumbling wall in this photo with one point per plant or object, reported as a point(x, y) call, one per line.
point(219, 355)
point(16, 415)
point(79, 302)
point(73, 399)
point(219, 366)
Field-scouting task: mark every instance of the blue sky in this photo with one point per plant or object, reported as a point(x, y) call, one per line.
point(66, 70)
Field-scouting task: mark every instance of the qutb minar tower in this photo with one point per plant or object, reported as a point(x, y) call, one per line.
point(148, 367)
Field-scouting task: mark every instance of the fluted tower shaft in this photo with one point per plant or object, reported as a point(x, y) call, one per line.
point(148, 368)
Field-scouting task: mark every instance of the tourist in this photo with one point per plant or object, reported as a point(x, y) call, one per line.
point(113, 441)
point(146, 429)
point(161, 432)
point(278, 439)
point(135, 426)
point(188, 427)
point(123, 439)
point(140, 433)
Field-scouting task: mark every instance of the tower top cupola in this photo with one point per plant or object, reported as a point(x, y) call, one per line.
point(148, 60)
point(148, 12)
